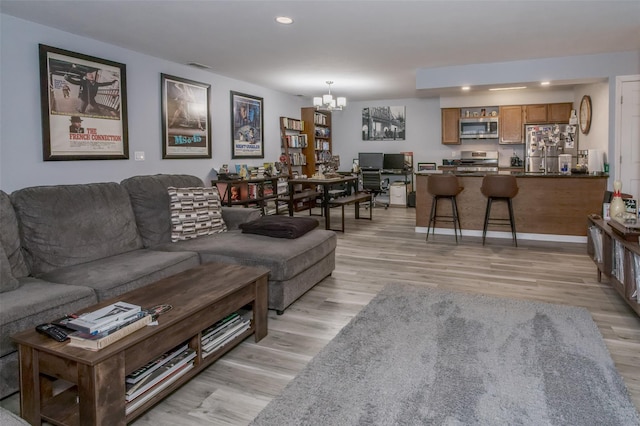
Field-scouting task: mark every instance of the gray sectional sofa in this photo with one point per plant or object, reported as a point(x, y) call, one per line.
point(66, 247)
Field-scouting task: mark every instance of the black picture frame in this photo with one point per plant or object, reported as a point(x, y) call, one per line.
point(186, 118)
point(247, 129)
point(83, 102)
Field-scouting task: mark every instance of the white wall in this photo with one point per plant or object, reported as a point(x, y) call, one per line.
point(21, 161)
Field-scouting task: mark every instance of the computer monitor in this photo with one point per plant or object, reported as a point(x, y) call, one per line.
point(371, 160)
point(393, 162)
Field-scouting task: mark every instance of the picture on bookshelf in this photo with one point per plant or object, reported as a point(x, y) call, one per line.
point(247, 133)
point(385, 123)
point(186, 122)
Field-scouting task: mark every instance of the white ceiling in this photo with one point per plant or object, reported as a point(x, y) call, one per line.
point(370, 49)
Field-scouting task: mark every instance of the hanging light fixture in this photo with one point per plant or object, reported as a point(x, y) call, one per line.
point(328, 102)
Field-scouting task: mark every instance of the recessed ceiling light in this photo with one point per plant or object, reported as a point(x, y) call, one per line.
point(545, 83)
point(508, 88)
point(466, 88)
point(285, 20)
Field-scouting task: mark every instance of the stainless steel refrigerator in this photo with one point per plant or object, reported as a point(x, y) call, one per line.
point(545, 142)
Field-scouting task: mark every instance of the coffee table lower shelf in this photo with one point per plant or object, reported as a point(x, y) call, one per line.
point(96, 380)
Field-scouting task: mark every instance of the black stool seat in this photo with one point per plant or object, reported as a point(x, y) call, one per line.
point(444, 186)
point(499, 188)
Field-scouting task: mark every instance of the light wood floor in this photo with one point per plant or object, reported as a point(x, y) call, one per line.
point(370, 255)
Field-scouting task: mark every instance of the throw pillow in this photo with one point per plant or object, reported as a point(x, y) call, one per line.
point(280, 226)
point(195, 212)
point(7, 281)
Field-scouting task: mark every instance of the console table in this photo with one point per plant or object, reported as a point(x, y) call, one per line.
point(96, 380)
point(616, 258)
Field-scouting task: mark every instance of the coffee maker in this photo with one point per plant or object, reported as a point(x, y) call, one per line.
point(583, 161)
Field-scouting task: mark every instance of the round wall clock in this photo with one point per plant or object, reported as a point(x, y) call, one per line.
point(585, 114)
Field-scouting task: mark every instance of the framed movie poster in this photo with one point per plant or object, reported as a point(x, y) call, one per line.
point(186, 121)
point(84, 106)
point(246, 126)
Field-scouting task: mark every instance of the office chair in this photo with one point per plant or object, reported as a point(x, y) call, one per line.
point(372, 182)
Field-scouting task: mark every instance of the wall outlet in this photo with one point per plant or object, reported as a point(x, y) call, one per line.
point(139, 155)
point(453, 154)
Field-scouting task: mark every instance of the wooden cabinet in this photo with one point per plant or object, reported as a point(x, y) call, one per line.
point(547, 113)
point(450, 126)
point(535, 113)
point(293, 141)
point(616, 258)
point(511, 127)
point(318, 130)
point(559, 113)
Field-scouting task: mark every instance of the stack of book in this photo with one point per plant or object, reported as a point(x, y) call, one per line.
point(148, 380)
point(98, 329)
point(223, 331)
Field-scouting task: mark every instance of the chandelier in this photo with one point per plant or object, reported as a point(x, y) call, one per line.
point(328, 102)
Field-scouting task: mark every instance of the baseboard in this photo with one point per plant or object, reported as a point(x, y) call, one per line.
point(507, 235)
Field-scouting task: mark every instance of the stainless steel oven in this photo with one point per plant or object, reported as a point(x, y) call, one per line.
point(478, 161)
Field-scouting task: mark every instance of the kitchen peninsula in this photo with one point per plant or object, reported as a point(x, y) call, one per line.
point(546, 204)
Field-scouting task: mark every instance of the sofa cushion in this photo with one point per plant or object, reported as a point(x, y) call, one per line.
point(195, 212)
point(10, 237)
point(37, 301)
point(112, 276)
point(65, 225)
point(7, 281)
point(280, 226)
point(150, 202)
point(283, 257)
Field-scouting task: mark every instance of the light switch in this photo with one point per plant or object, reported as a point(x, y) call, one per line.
point(139, 155)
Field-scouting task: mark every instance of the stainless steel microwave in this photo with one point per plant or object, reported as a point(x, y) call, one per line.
point(479, 128)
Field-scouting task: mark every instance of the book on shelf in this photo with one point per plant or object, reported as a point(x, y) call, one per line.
point(160, 374)
point(94, 342)
point(154, 364)
point(104, 318)
point(172, 377)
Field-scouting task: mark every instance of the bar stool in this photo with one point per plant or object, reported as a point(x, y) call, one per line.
point(499, 188)
point(444, 186)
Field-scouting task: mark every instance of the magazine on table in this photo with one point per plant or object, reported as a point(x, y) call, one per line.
point(104, 318)
point(153, 365)
point(101, 340)
point(234, 331)
point(155, 390)
point(158, 375)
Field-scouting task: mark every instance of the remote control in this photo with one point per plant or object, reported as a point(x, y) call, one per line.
point(52, 331)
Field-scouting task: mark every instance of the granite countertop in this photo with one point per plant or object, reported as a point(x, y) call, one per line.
point(521, 174)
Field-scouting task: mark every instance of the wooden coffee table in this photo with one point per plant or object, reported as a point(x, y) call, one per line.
point(96, 394)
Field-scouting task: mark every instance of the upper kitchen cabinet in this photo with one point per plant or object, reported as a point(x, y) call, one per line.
point(560, 113)
point(450, 126)
point(511, 124)
point(547, 113)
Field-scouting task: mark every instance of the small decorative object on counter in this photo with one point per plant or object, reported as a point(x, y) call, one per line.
point(617, 205)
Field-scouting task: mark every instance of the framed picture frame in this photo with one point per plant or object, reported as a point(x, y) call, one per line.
point(384, 123)
point(426, 166)
point(83, 102)
point(186, 118)
point(247, 130)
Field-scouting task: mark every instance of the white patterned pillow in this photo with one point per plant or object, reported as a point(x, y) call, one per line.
point(195, 212)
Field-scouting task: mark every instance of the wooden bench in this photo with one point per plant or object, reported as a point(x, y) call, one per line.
point(356, 199)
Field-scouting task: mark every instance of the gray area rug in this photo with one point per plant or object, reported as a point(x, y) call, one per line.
point(416, 356)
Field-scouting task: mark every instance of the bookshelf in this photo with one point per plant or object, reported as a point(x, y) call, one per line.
point(617, 257)
point(269, 194)
point(294, 142)
point(318, 131)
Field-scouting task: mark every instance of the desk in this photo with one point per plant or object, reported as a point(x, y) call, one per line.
point(326, 185)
